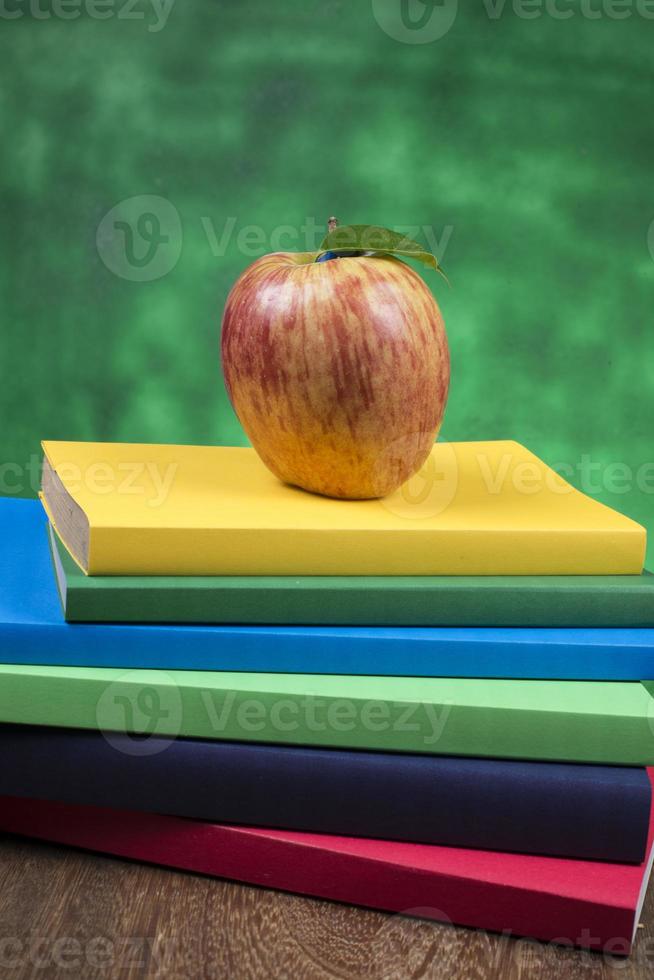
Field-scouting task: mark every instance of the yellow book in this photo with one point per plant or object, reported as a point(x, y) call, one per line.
point(476, 508)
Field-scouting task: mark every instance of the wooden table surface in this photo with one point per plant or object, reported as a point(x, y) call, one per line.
point(66, 913)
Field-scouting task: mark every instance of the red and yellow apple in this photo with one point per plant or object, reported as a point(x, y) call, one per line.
point(338, 370)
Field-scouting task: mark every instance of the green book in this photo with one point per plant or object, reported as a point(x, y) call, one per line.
point(548, 600)
point(580, 721)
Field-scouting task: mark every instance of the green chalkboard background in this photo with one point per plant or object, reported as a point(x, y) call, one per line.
point(520, 139)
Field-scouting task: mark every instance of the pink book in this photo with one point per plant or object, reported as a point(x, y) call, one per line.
point(590, 904)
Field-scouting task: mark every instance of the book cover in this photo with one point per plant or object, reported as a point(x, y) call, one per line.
point(32, 630)
point(594, 812)
point(478, 508)
point(563, 721)
point(592, 904)
point(365, 600)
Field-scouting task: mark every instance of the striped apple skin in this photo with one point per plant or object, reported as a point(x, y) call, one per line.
point(338, 371)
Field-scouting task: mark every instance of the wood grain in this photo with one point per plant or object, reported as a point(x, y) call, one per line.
point(65, 913)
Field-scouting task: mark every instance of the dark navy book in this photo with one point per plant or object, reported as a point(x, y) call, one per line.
point(580, 811)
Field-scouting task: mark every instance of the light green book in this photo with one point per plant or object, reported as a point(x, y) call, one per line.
point(580, 721)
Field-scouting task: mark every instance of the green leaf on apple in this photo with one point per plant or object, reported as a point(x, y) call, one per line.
point(373, 240)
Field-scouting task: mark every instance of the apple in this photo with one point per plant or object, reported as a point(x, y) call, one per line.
point(338, 369)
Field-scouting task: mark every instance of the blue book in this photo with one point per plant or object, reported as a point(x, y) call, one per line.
point(593, 812)
point(33, 631)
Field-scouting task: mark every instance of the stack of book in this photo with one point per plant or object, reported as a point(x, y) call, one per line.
point(441, 701)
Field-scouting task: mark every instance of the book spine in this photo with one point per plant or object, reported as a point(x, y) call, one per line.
point(304, 866)
point(188, 706)
point(541, 808)
point(301, 551)
point(318, 651)
point(353, 606)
